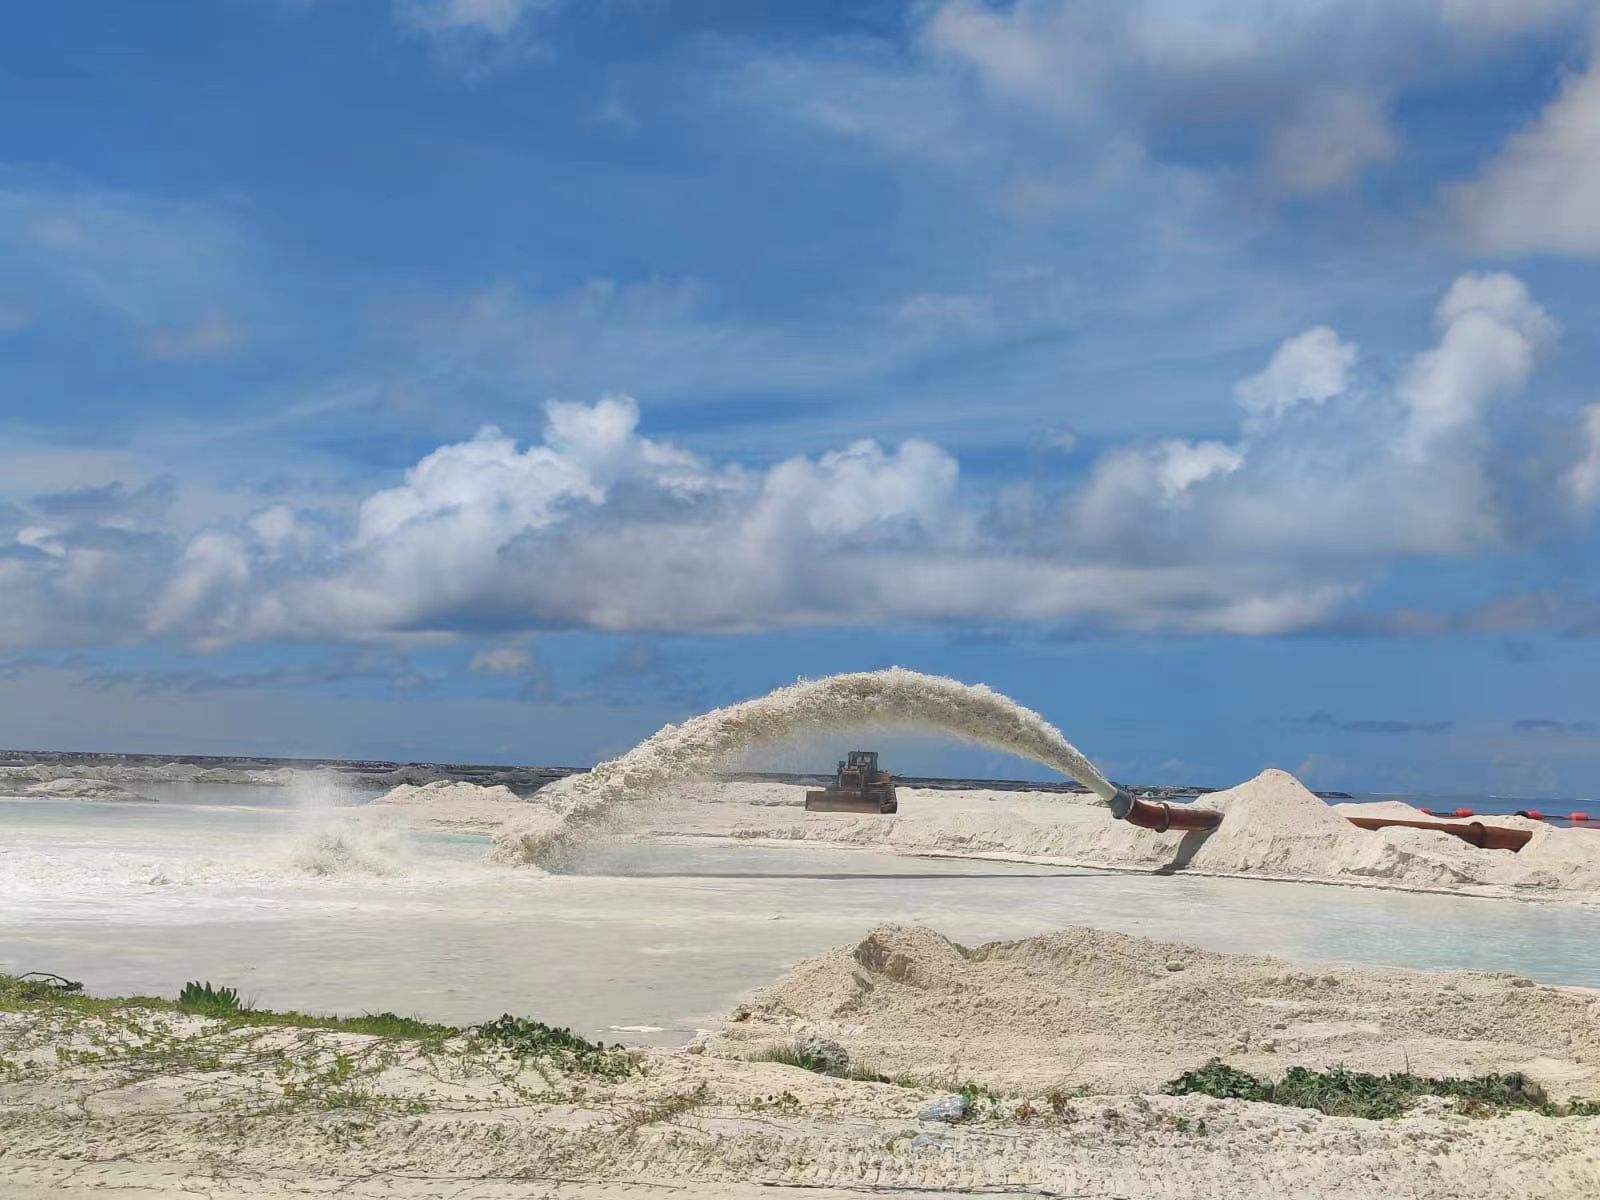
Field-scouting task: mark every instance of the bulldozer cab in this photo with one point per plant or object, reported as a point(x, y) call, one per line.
point(859, 767)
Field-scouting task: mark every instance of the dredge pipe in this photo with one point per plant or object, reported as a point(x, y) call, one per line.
point(1161, 817)
point(1488, 837)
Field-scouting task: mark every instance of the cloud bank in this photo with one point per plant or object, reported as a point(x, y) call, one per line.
point(1330, 477)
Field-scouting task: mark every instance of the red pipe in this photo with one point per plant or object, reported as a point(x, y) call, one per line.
point(1489, 837)
point(1161, 817)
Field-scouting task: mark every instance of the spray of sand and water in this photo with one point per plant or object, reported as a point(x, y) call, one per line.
point(894, 697)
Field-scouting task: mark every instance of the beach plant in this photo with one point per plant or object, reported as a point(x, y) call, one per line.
point(207, 1001)
point(1342, 1092)
point(525, 1038)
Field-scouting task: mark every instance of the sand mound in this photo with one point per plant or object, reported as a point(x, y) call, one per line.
point(1113, 1012)
point(85, 789)
point(149, 773)
point(449, 805)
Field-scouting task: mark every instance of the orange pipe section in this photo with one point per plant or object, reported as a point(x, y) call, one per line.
point(1161, 817)
point(1489, 837)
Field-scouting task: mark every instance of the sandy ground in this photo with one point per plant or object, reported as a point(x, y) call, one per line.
point(1074, 1031)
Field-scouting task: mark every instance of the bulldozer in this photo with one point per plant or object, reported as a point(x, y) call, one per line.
point(858, 786)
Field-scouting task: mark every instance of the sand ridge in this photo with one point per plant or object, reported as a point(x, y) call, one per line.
point(1112, 1012)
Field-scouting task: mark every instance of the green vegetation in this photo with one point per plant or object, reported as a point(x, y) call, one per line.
point(974, 1093)
point(1341, 1092)
point(20, 993)
point(204, 1000)
point(534, 1039)
point(257, 1061)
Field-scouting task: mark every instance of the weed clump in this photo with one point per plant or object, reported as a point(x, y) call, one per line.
point(526, 1038)
point(1341, 1092)
point(204, 1000)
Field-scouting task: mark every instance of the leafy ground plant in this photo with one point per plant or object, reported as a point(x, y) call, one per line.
point(207, 1001)
point(1342, 1092)
point(525, 1038)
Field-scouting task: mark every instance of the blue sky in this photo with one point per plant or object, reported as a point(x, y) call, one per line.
point(500, 379)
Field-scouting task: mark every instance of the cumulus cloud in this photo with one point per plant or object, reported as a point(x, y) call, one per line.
point(1309, 368)
point(1582, 479)
point(1491, 333)
point(1331, 476)
point(1541, 193)
point(1304, 76)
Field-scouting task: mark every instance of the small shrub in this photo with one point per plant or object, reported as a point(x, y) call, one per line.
point(1342, 1092)
point(207, 1001)
point(1218, 1079)
point(973, 1092)
point(534, 1039)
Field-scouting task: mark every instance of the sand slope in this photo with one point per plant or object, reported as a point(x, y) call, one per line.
point(1086, 1007)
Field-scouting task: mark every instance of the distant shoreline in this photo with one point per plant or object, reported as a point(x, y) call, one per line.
point(523, 778)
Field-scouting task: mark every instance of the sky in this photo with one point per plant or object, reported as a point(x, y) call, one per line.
point(498, 380)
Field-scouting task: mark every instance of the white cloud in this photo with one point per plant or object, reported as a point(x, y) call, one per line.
point(1329, 142)
point(161, 268)
point(211, 337)
point(492, 18)
point(1329, 479)
point(1500, 17)
point(499, 660)
point(1312, 367)
point(1049, 60)
point(1491, 332)
point(1302, 74)
point(1582, 478)
point(1541, 193)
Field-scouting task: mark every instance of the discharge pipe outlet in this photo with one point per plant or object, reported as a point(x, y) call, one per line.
point(1160, 816)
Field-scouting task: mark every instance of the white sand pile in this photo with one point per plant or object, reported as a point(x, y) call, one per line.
point(85, 789)
point(456, 807)
point(893, 697)
point(175, 772)
point(1086, 1007)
